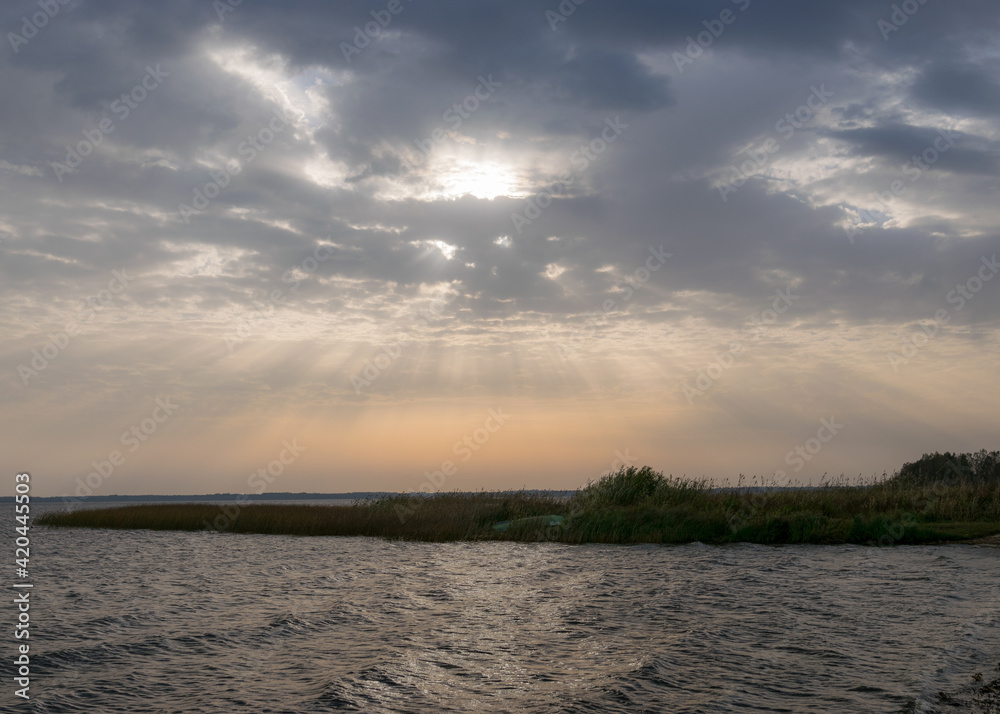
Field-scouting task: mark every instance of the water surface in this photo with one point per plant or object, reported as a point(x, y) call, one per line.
point(140, 621)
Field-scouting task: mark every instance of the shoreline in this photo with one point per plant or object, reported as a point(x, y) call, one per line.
point(367, 520)
point(925, 503)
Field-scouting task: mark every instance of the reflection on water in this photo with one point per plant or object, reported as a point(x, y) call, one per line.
point(196, 622)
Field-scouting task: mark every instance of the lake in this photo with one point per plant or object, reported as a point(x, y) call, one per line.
point(140, 621)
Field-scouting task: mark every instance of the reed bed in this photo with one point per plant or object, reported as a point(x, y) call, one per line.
point(940, 498)
point(442, 517)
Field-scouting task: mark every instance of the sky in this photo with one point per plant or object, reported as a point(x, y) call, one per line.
point(424, 245)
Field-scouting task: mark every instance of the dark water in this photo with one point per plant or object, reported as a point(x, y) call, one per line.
point(137, 621)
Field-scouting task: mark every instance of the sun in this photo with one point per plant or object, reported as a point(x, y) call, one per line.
point(452, 174)
point(482, 180)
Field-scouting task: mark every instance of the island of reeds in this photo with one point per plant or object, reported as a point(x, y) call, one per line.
point(940, 498)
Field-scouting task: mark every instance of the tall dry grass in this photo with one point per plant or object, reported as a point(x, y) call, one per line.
point(940, 498)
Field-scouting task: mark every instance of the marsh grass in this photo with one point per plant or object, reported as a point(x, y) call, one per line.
point(938, 499)
point(443, 517)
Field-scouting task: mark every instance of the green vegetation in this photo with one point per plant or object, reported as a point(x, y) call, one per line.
point(443, 517)
point(942, 497)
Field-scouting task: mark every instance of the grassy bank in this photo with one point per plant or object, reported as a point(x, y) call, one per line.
point(443, 517)
point(938, 499)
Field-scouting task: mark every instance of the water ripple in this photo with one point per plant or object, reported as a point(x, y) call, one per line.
point(187, 622)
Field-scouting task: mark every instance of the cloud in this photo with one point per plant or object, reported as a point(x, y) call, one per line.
point(954, 88)
point(391, 161)
point(901, 143)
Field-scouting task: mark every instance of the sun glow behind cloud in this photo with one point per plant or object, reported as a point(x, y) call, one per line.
point(446, 249)
point(450, 174)
point(297, 94)
point(554, 318)
point(483, 180)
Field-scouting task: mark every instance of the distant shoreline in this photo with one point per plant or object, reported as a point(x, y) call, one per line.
point(941, 498)
point(349, 496)
point(201, 498)
point(258, 497)
point(482, 517)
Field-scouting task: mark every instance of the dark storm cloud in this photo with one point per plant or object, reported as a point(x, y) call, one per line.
point(556, 89)
point(960, 88)
point(606, 80)
point(383, 146)
point(906, 143)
